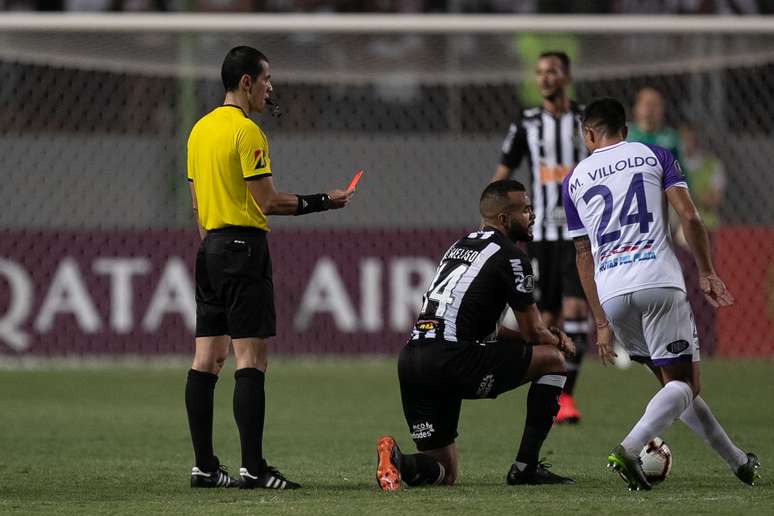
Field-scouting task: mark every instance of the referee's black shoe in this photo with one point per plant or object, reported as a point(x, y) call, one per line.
point(268, 478)
point(535, 475)
point(217, 478)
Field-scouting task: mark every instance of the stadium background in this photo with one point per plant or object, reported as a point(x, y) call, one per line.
point(96, 233)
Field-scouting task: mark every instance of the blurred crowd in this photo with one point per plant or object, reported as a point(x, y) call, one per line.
point(405, 6)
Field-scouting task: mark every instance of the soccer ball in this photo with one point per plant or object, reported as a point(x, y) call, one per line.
point(656, 460)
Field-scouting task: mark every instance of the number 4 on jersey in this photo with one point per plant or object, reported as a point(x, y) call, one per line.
point(441, 293)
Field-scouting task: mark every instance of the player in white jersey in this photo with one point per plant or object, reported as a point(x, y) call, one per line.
point(615, 201)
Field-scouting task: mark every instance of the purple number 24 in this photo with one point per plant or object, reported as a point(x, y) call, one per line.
point(642, 216)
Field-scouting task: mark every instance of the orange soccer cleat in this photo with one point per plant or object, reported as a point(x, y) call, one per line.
point(387, 464)
point(567, 414)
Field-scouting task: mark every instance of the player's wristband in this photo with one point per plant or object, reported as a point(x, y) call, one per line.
point(312, 203)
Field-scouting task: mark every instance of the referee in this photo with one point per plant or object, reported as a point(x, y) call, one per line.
point(550, 137)
point(230, 177)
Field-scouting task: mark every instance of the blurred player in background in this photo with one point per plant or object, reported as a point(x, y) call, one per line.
point(649, 126)
point(615, 202)
point(707, 175)
point(456, 352)
point(230, 177)
point(549, 136)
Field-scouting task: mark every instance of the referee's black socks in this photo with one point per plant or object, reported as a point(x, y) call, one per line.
point(249, 409)
point(577, 330)
point(542, 406)
point(199, 394)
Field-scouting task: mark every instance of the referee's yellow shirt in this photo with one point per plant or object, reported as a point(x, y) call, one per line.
point(225, 149)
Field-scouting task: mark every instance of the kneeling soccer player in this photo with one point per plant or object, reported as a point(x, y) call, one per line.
point(455, 351)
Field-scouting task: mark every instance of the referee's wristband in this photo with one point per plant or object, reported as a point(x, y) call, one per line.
point(312, 203)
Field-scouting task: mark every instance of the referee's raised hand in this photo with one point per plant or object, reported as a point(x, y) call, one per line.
point(339, 198)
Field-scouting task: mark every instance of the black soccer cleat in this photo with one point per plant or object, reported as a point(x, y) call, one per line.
point(268, 478)
point(535, 475)
point(217, 478)
point(748, 472)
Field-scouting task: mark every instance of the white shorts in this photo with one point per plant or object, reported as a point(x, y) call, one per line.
point(654, 325)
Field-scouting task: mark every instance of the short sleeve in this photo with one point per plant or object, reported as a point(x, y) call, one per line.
point(253, 150)
point(514, 146)
point(519, 281)
point(673, 174)
point(189, 161)
point(575, 227)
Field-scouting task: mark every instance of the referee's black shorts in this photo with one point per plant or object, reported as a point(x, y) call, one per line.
point(234, 289)
point(557, 274)
point(436, 375)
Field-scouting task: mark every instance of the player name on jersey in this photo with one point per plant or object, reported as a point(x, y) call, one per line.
point(610, 168)
point(458, 253)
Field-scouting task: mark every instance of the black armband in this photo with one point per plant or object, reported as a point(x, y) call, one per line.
point(312, 203)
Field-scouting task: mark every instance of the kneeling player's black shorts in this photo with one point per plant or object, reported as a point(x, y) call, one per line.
point(557, 274)
point(234, 288)
point(436, 375)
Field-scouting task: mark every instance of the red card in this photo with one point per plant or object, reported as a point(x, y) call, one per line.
point(355, 179)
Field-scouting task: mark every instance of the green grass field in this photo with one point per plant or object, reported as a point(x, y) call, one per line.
point(114, 440)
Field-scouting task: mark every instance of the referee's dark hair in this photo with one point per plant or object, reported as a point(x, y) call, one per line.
point(238, 62)
point(496, 193)
point(561, 56)
point(606, 115)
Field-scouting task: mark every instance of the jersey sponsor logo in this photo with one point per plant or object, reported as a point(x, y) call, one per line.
point(627, 259)
point(260, 159)
point(422, 430)
point(627, 247)
point(524, 283)
point(677, 346)
point(626, 254)
point(485, 387)
point(426, 325)
point(553, 174)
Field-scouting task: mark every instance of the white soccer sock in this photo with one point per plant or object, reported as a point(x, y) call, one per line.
point(702, 422)
point(662, 410)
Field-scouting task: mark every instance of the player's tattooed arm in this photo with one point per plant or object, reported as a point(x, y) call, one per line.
point(584, 260)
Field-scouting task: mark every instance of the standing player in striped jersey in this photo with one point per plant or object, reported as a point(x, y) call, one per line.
point(455, 351)
point(616, 203)
point(549, 136)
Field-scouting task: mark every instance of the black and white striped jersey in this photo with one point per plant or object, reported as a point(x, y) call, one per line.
point(478, 278)
point(553, 145)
